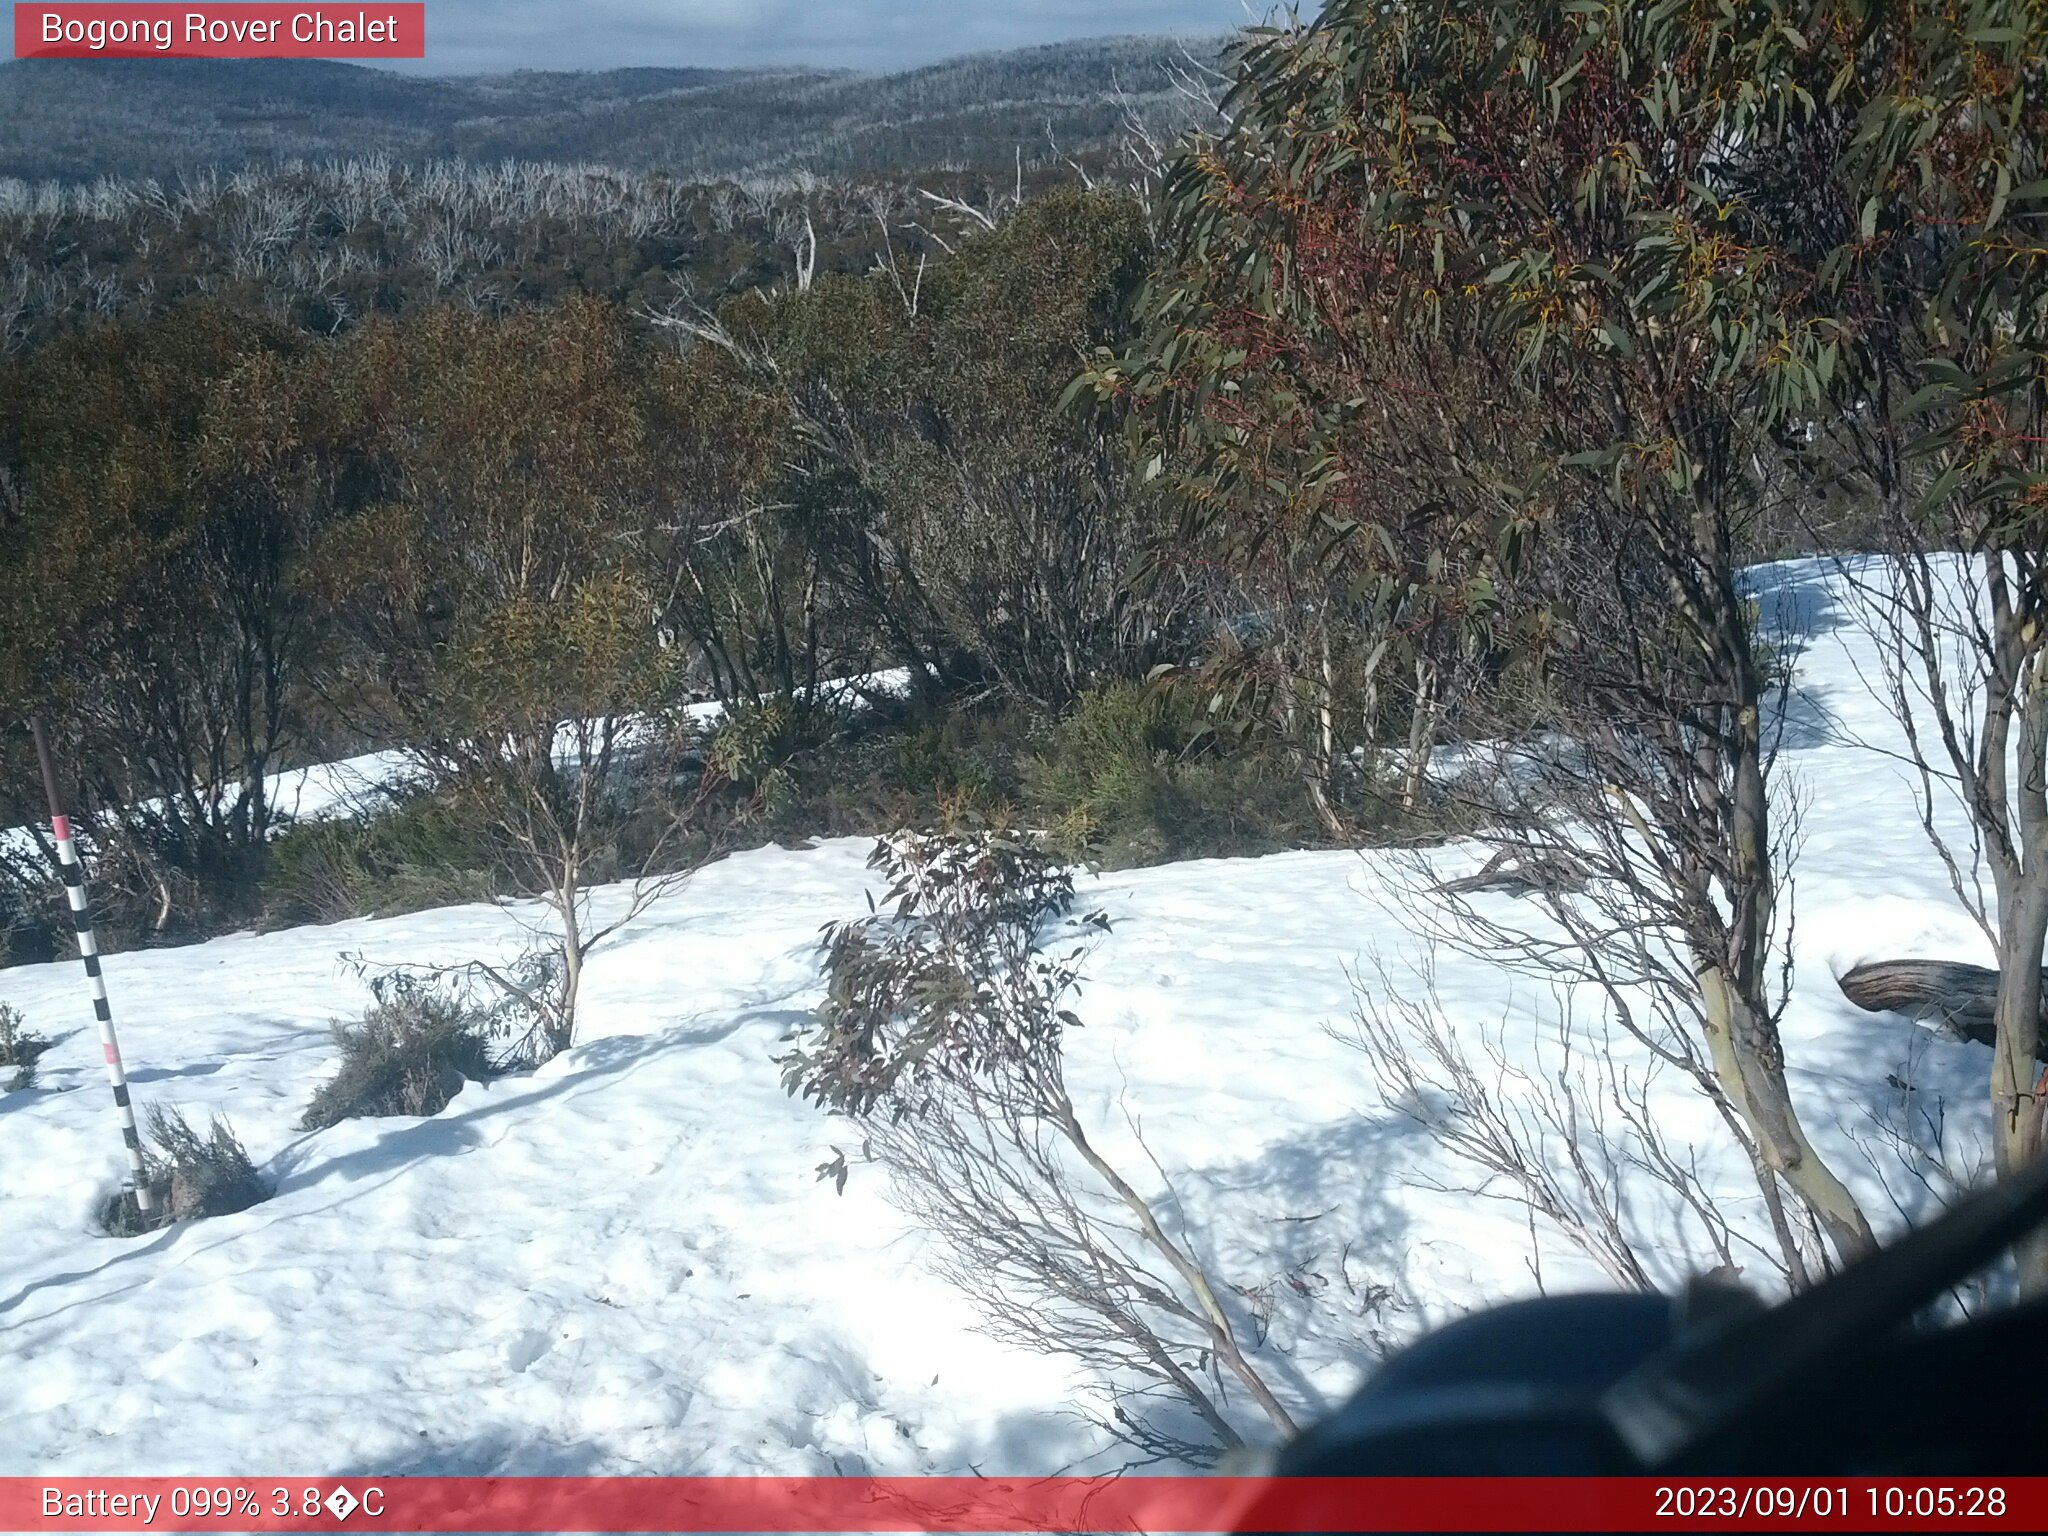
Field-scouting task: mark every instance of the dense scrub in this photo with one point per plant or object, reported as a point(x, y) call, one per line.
point(422, 851)
point(191, 1176)
point(316, 194)
point(458, 525)
point(409, 1054)
point(20, 1047)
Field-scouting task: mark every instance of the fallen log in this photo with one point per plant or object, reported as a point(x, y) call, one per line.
point(1522, 872)
point(1959, 998)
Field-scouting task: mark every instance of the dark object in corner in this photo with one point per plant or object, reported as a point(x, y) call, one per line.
point(1852, 1376)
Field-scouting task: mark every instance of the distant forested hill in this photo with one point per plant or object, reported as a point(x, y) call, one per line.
point(74, 120)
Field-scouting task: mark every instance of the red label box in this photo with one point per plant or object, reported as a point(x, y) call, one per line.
point(1023, 1506)
point(241, 31)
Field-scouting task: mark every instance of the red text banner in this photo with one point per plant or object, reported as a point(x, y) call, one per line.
point(236, 31)
point(950, 1504)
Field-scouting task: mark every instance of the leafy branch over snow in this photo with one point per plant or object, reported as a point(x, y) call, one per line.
point(942, 1033)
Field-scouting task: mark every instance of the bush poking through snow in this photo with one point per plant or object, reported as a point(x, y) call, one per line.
point(1136, 774)
point(420, 1041)
point(191, 1176)
point(942, 1031)
point(19, 1048)
point(424, 851)
point(949, 982)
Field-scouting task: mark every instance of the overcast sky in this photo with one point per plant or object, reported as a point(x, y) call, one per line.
point(466, 36)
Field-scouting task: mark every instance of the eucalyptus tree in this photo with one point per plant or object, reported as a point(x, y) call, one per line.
point(1488, 300)
point(498, 621)
point(907, 433)
point(165, 481)
point(1926, 237)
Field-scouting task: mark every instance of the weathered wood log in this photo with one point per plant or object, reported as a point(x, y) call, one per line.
point(1959, 998)
point(1519, 871)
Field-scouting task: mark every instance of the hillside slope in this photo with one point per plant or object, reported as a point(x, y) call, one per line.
point(626, 1263)
point(77, 119)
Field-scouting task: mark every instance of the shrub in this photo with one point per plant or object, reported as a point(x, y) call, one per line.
point(1771, 651)
point(28, 921)
point(942, 1035)
point(189, 1176)
point(961, 758)
point(420, 1041)
point(912, 991)
point(891, 770)
point(19, 1048)
point(751, 744)
point(1133, 775)
point(769, 754)
point(425, 851)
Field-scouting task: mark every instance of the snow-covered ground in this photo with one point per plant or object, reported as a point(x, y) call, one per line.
point(626, 1263)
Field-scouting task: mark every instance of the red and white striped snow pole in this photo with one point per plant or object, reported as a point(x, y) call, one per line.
point(89, 951)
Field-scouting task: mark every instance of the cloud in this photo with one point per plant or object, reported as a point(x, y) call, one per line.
point(468, 36)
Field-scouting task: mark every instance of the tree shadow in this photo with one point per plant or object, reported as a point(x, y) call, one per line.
point(164, 1074)
point(455, 1131)
point(1903, 1090)
point(1798, 602)
point(130, 1250)
point(1039, 1443)
point(21, 1098)
point(1318, 1262)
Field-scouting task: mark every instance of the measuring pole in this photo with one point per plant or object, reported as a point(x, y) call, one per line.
point(89, 952)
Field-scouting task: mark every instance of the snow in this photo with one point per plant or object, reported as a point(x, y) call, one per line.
point(625, 1262)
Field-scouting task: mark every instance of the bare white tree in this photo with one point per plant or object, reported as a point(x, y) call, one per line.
point(1962, 663)
point(1565, 1129)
